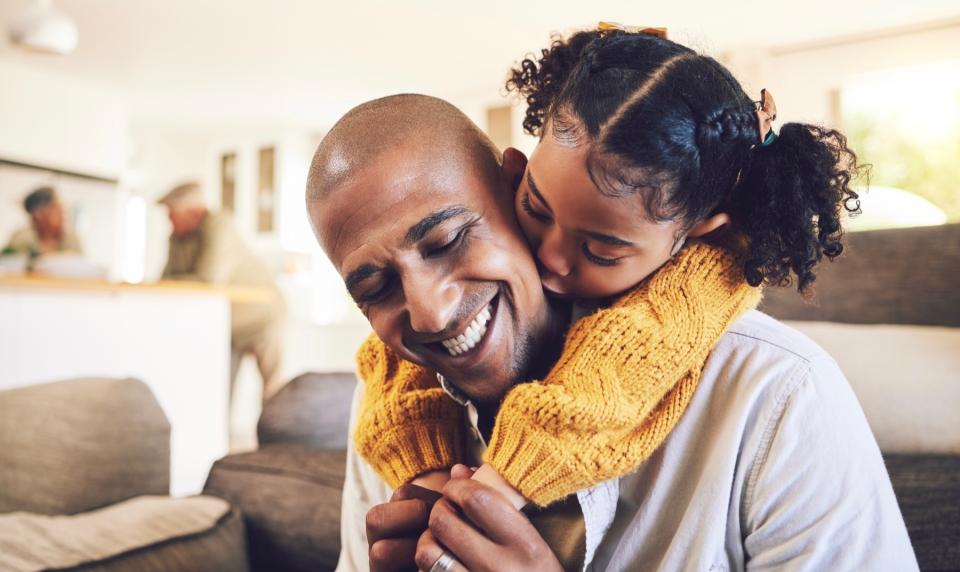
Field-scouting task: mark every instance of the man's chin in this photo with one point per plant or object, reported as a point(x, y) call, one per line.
point(484, 389)
point(480, 396)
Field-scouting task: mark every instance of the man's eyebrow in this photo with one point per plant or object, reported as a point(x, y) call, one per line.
point(536, 191)
point(427, 223)
point(607, 238)
point(360, 274)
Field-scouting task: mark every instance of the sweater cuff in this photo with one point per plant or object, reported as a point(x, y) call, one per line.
point(530, 460)
point(405, 451)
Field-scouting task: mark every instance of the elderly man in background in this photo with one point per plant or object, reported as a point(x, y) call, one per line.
point(48, 233)
point(206, 247)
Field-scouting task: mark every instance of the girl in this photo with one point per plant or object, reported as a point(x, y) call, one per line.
point(660, 198)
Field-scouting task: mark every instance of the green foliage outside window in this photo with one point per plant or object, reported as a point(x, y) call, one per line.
point(930, 169)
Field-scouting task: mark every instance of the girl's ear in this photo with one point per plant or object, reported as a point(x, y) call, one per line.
point(513, 167)
point(708, 225)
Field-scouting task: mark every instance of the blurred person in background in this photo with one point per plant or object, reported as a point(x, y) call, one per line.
point(48, 232)
point(206, 247)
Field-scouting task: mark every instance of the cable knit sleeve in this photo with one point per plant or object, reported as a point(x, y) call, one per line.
point(407, 425)
point(625, 377)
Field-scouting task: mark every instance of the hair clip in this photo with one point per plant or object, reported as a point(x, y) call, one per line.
point(766, 115)
point(604, 27)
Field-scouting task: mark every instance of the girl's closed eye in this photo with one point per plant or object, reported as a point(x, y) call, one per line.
point(597, 259)
point(530, 210)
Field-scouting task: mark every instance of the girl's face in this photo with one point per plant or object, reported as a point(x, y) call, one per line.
point(587, 244)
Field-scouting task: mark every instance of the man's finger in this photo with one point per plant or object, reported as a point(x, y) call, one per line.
point(487, 509)
point(397, 518)
point(429, 551)
point(393, 555)
point(451, 529)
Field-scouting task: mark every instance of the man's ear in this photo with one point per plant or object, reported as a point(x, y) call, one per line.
point(708, 225)
point(513, 167)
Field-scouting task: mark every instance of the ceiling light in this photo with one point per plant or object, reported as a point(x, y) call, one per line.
point(42, 28)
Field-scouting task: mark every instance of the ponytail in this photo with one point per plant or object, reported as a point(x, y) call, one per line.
point(790, 201)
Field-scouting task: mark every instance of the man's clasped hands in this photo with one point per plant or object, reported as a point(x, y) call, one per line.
point(470, 520)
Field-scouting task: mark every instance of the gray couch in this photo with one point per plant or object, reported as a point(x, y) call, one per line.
point(85, 474)
point(84, 478)
point(289, 489)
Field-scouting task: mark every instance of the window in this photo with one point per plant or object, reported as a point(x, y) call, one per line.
point(906, 124)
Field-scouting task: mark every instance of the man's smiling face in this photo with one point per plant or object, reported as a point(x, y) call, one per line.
point(430, 250)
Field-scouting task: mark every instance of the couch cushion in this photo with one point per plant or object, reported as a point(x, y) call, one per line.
point(147, 533)
point(928, 490)
point(290, 498)
point(312, 410)
point(76, 445)
point(907, 378)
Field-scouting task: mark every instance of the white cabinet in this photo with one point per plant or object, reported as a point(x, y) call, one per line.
point(175, 340)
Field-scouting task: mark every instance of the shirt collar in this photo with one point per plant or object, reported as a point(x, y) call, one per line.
point(454, 393)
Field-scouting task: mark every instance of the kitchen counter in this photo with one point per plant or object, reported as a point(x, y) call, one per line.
point(236, 294)
point(174, 336)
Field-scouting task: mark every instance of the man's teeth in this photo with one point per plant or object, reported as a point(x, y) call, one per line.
point(471, 336)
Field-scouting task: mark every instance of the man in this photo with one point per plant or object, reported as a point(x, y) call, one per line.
point(772, 464)
point(206, 247)
point(48, 232)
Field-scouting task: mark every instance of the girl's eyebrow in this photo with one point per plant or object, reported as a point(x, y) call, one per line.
point(605, 238)
point(608, 238)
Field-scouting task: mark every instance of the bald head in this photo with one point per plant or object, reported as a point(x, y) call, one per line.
point(184, 196)
point(418, 123)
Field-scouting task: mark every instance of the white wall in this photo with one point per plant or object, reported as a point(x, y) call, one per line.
point(804, 78)
point(57, 121)
point(475, 104)
point(62, 121)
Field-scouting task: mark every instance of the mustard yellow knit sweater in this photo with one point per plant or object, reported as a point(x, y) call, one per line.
point(624, 379)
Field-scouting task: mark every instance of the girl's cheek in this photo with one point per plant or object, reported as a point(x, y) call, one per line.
point(603, 282)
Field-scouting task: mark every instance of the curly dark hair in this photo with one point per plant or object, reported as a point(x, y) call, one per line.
point(677, 127)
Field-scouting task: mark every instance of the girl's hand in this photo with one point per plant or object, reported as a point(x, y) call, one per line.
point(490, 477)
point(432, 480)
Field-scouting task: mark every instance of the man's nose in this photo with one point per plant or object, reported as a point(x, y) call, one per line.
point(553, 254)
point(432, 302)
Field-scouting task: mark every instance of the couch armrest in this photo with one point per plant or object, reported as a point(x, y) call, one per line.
point(77, 445)
point(312, 410)
point(290, 498)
